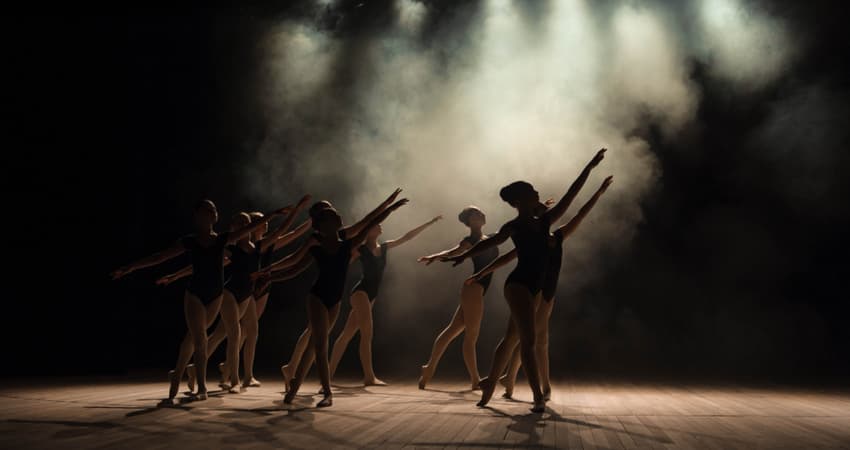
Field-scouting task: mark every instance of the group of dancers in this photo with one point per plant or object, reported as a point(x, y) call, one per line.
point(247, 250)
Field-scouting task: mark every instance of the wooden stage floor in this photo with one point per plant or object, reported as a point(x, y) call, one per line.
point(126, 414)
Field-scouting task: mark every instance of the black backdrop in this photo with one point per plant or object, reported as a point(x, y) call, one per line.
point(122, 119)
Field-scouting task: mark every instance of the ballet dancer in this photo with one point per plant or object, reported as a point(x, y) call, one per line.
point(202, 300)
point(530, 235)
point(543, 309)
point(373, 258)
point(245, 259)
point(332, 255)
point(467, 316)
point(288, 369)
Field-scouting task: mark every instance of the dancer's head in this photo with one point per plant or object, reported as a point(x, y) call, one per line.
point(374, 232)
point(521, 195)
point(239, 220)
point(205, 214)
point(318, 207)
point(472, 216)
point(260, 232)
point(327, 222)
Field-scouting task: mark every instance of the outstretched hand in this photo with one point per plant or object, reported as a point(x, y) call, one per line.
point(282, 211)
point(399, 203)
point(393, 196)
point(119, 273)
point(455, 260)
point(549, 202)
point(437, 219)
point(425, 259)
point(303, 202)
point(600, 155)
point(606, 183)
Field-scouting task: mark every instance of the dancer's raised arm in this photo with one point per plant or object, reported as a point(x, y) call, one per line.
point(359, 237)
point(490, 268)
point(290, 260)
point(153, 260)
point(568, 228)
point(352, 230)
point(236, 236)
point(272, 239)
point(555, 213)
point(482, 245)
point(287, 238)
point(456, 250)
point(412, 233)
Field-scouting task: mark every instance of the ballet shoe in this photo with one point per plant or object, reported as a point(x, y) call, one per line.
point(287, 377)
point(174, 384)
point(539, 406)
point(193, 377)
point(487, 389)
point(325, 402)
point(201, 395)
point(252, 382)
point(422, 379)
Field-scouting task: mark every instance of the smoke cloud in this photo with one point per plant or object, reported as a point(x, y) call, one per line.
point(451, 108)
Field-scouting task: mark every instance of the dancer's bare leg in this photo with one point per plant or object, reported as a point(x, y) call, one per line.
point(521, 303)
point(215, 339)
point(288, 369)
point(198, 319)
point(342, 341)
point(321, 319)
point(261, 304)
point(541, 324)
point(230, 318)
point(362, 308)
point(504, 350)
point(472, 303)
point(250, 330)
point(443, 340)
point(509, 379)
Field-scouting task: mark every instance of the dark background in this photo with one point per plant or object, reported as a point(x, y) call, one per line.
point(120, 120)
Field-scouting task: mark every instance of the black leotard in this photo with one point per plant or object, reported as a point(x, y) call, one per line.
point(242, 265)
point(373, 270)
point(207, 278)
point(332, 271)
point(553, 269)
point(531, 239)
point(481, 260)
point(265, 261)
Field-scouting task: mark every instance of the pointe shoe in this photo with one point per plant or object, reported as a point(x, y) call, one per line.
point(287, 377)
point(193, 377)
point(223, 370)
point(201, 396)
point(422, 379)
point(236, 389)
point(487, 389)
point(539, 406)
point(252, 382)
point(291, 391)
point(174, 384)
point(325, 402)
point(509, 387)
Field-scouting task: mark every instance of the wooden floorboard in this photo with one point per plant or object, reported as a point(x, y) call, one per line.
point(127, 413)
